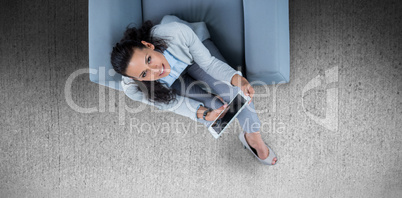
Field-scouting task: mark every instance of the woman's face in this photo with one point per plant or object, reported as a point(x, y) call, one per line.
point(147, 64)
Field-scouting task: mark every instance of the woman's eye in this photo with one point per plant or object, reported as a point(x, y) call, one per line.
point(149, 61)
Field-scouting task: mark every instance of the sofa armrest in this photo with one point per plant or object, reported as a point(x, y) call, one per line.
point(267, 54)
point(107, 21)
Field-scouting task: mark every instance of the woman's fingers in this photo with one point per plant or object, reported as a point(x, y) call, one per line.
point(251, 92)
point(221, 99)
point(225, 109)
point(219, 110)
point(212, 115)
point(248, 90)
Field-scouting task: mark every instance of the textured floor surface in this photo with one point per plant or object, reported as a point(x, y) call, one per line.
point(336, 126)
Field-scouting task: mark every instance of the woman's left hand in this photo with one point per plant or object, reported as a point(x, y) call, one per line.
point(240, 81)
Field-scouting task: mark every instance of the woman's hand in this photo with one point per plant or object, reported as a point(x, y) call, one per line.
point(212, 115)
point(240, 81)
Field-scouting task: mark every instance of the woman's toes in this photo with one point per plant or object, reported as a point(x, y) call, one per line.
point(274, 161)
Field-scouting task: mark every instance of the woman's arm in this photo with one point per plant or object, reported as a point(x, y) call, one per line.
point(213, 66)
point(183, 105)
point(201, 55)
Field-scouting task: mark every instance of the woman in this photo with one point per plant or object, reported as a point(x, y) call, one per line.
point(152, 58)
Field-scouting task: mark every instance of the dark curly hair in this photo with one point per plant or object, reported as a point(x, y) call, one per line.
point(123, 52)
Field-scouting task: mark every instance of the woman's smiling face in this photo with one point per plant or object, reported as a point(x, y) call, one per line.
point(147, 64)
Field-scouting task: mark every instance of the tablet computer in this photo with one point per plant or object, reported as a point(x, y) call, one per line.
point(235, 106)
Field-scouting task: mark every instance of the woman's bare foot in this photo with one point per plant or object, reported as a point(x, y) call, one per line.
point(255, 141)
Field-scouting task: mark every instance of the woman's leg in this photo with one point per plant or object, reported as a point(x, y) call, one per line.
point(247, 118)
point(189, 87)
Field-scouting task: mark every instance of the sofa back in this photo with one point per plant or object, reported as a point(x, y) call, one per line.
point(224, 20)
point(263, 24)
point(107, 21)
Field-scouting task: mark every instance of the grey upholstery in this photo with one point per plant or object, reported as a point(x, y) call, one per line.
point(107, 20)
point(224, 20)
point(256, 42)
point(267, 41)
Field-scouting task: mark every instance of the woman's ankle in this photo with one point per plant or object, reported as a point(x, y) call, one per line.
point(254, 139)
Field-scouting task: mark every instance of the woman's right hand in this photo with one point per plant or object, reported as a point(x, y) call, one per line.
point(212, 115)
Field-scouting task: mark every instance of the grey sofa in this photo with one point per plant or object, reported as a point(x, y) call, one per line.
point(252, 35)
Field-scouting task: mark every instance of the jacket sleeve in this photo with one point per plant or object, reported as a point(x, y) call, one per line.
point(183, 105)
point(201, 55)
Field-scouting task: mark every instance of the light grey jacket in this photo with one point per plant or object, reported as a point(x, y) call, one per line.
point(185, 45)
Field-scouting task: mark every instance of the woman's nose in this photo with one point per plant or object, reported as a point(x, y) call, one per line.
point(155, 69)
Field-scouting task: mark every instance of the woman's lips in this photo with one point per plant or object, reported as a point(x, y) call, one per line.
point(163, 67)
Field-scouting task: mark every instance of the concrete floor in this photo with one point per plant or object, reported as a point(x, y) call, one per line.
point(340, 139)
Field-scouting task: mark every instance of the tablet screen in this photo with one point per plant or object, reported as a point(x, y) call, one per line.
point(231, 111)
